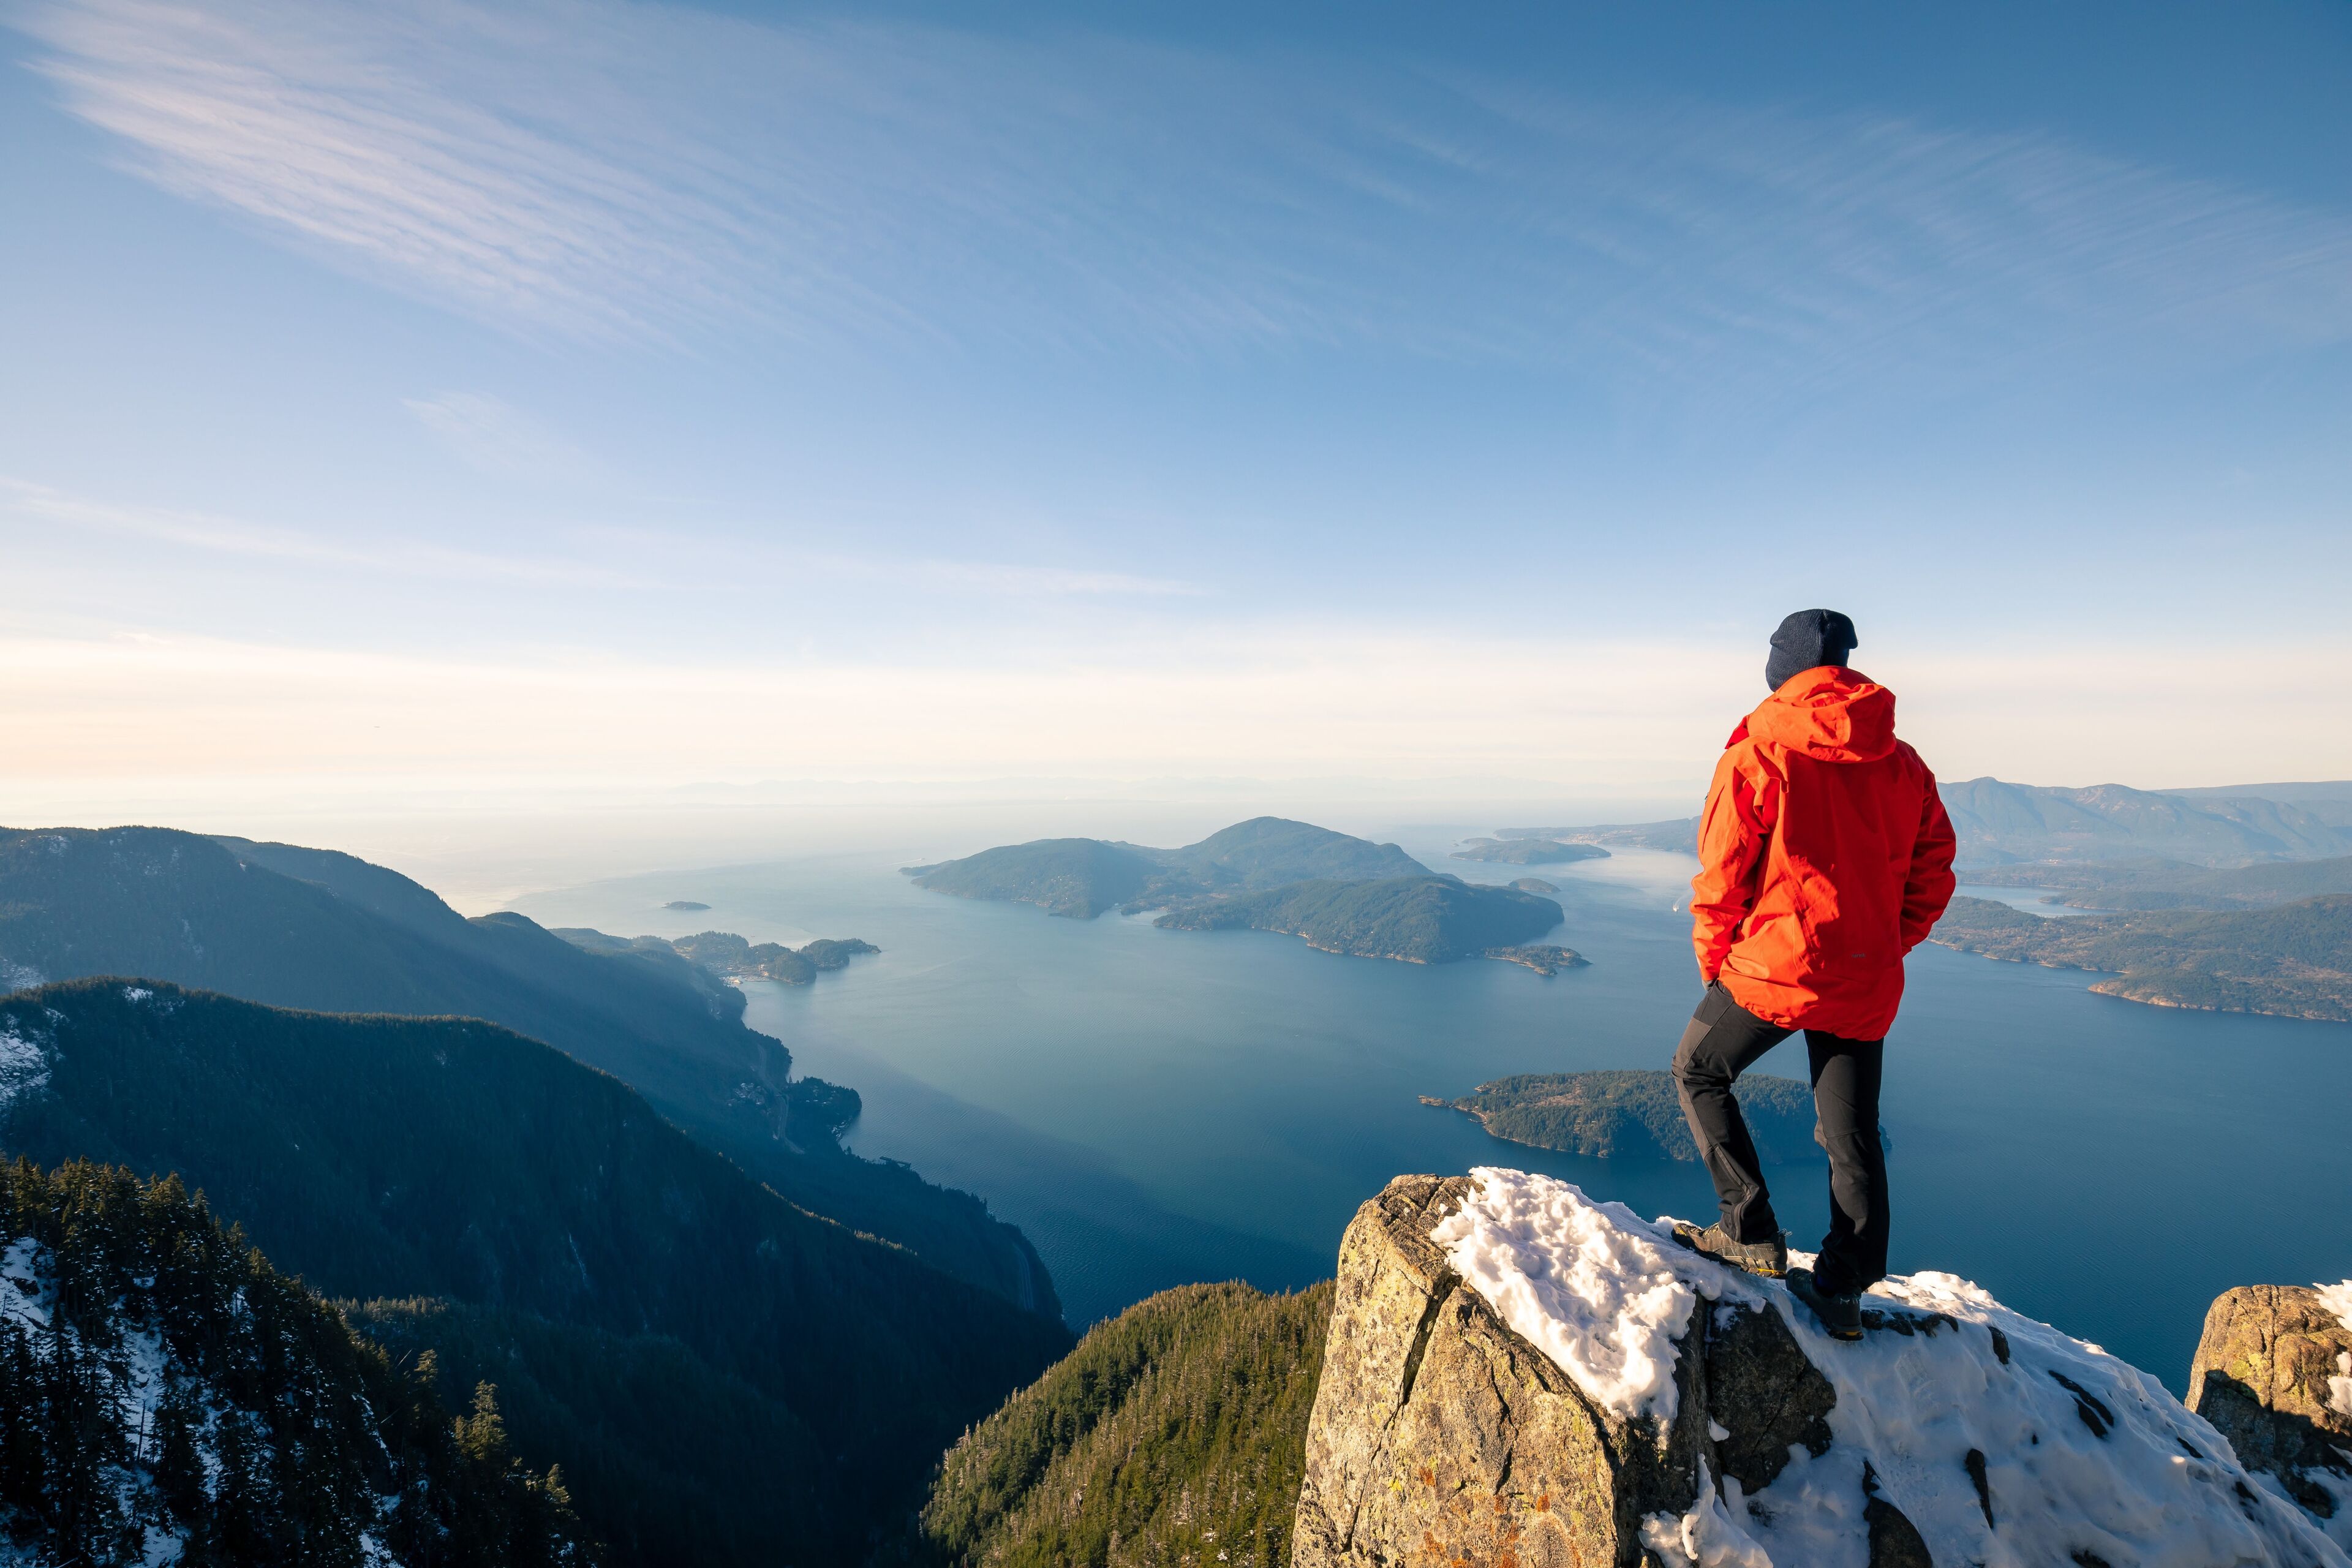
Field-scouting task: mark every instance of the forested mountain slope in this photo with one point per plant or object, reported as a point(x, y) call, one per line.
point(308, 928)
point(166, 1394)
point(630, 1284)
point(1175, 1433)
point(2292, 959)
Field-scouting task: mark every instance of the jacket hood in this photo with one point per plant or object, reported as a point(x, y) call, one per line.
point(1830, 713)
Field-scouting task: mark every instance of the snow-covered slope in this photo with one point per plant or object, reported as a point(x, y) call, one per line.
point(2001, 1440)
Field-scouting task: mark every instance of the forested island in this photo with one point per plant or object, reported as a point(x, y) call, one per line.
point(1082, 878)
point(1342, 894)
point(1418, 919)
point(1632, 1114)
point(2294, 960)
point(1535, 885)
point(1528, 851)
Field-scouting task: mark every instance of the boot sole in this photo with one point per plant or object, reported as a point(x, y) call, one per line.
point(1761, 1270)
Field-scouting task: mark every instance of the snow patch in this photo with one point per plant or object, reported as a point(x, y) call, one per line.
point(1599, 1290)
point(24, 1066)
point(1707, 1535)
point(136, 993)
point(2082, 1457)
point(2338, 1298)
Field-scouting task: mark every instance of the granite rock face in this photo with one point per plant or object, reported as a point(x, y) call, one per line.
point(1439, 1436)
point(2273, 1374)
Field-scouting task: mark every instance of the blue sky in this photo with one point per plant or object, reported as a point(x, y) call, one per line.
point(417, 397)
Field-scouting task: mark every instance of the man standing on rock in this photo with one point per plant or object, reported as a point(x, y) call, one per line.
point(1824, 857)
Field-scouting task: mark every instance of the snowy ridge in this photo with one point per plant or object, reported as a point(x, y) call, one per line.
point(2005, 1442)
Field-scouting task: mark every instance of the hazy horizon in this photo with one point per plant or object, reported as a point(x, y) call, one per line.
point(417, 402)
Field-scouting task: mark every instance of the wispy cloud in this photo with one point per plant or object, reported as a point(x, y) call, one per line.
point(632, 559)
point(661, 173)
point(497, 437)
point(35, 503)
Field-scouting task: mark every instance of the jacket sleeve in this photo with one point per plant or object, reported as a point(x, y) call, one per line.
point(1731, 834)
point(1928, 887)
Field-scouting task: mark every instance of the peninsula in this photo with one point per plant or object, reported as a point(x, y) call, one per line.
point(1528, 851)
point(2294, 960)
point(1632, 1114)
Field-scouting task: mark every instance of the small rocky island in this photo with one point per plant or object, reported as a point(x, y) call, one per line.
point(1543, 959)
point(1634, 1114)
point(1528, 851)
point(684, 905)
point(1535, 885)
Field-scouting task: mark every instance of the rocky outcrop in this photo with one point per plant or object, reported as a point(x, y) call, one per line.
point(1519, 1377)
point(1440, 1434)
point(2273, 1374)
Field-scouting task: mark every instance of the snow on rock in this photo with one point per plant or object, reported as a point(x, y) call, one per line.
point(2336, 1299)
point(1603, 1293)
point(1514, 1367)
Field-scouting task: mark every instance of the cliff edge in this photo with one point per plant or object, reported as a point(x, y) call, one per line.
point(1519, 1377)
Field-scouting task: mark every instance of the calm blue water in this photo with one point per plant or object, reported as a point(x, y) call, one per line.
point(1154, 1107)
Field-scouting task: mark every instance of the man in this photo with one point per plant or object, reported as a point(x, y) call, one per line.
point(1824, 857)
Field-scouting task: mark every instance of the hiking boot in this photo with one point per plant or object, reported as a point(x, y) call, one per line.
point(1841, 1316)
point(1769, 1258)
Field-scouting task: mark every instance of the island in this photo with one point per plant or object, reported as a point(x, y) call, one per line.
point(1082, 878)
point(685, 904)
point(1426, 919)
point(1528, 851)
point(1634, 1114)
point(724, 953)
point(1679, 835)
point(2292, 960)
point(1545, 961)
point(1534, 885)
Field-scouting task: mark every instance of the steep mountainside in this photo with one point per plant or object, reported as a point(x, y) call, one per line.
point(631, 1283)
point(1421, 919)
point(166, 1394)
point(1175, 1433)
point(1634, 1115)
point(1084, 877)
point(308, 928)
point(2294, 960)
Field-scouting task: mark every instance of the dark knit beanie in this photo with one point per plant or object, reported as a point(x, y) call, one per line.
point(1807, 640)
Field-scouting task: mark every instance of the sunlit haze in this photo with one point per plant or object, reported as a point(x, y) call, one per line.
point(415, 408)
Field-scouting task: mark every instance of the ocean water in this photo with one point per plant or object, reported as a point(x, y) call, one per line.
point(1155, 1107)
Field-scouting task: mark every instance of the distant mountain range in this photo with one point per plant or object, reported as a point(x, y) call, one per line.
point(2002, 824)
point(1343, 894)
point(717, 1370)
point(2155, 884)
point(315, 929)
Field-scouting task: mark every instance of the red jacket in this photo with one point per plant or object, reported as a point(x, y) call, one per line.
point(1824, 857)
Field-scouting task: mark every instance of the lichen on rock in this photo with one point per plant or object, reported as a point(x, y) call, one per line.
point(2273, 1374)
